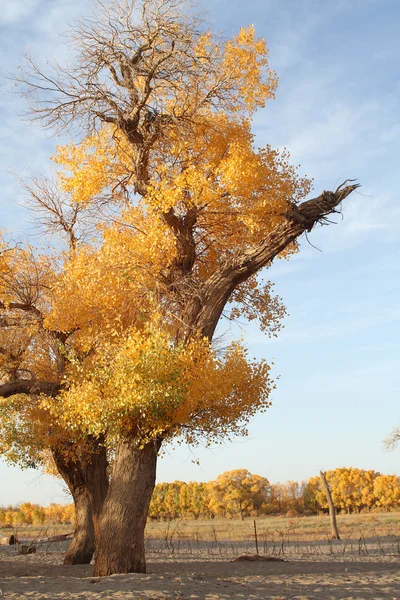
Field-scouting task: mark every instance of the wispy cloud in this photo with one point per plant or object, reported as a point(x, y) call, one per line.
point(12, 11)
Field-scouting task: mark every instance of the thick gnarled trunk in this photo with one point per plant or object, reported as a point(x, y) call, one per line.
point(85, 473)
point(121, 541)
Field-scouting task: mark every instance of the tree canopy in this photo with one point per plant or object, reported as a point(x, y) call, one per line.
point(114, 334)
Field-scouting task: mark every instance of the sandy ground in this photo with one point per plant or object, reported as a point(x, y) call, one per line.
point(41, 576)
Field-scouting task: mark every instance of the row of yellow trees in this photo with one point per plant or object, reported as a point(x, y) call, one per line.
point(34, 514)
point(240, 493)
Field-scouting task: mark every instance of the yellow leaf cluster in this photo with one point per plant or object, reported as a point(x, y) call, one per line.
point(99, 162)
point(239, 194)
point(387, 491)
point(352, 489)
point(246, 60)
point(146, 384)
point(26, 432)
point(114, 286)
point(26, 281)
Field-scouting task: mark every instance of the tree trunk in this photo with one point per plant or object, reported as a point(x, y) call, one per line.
point(85, 473)
point(81, 549)
point(121, 540)
point(96, 482)
point(332, 510)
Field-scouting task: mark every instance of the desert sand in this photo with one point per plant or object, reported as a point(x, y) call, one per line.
point(41, 576)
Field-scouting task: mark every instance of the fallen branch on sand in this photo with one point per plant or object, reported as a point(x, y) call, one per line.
point(257, 557)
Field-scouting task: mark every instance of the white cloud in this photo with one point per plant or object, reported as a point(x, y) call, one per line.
point(365, 214)
point(12, 11)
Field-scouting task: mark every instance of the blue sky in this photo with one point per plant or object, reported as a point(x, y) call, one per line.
point(337, 111)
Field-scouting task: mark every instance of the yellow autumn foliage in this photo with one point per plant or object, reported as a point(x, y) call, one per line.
point(239, 194)
point(352, 489)
point(231, 494)
point(238, 492)
point(146, 384)
point(28, 513)
point(26, 281)
point(126, 369)
point(119, 300)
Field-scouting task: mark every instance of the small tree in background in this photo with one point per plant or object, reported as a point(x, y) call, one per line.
point(238, 492)
point(393, 439)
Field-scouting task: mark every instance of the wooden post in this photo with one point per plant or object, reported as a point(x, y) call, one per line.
point(255, 536)
point(332, 510)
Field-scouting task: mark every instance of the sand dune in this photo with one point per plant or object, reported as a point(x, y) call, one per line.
point(41, 576)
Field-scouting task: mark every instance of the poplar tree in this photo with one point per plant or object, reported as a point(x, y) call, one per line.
point(162, 109)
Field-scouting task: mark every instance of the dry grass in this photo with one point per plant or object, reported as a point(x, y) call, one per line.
point(364, 535)
point(312, 527)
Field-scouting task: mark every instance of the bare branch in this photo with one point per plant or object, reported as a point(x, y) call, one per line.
point(30, 387)
point(392, 441)
point(56, 213)
point(26, 307)
point(140, 66)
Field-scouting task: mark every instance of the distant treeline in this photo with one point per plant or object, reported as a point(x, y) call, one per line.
point(240, 493)
point(34, 514)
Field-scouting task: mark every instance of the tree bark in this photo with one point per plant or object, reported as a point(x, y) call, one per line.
point(96, 478)
point(81, 549)
point(29, 386)
point(85, 473)
point(331, 506)
point(121, 540)
point(203, 311)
